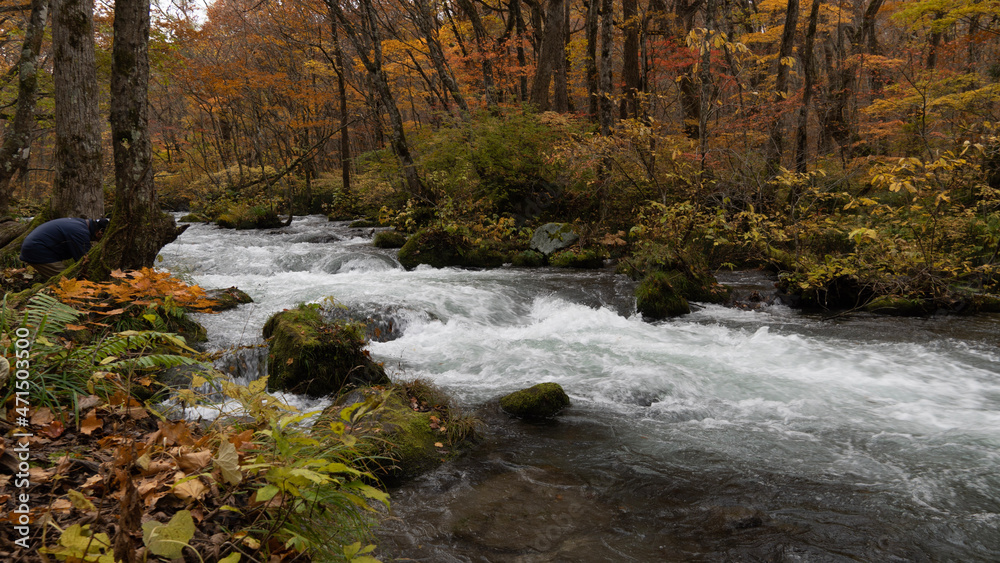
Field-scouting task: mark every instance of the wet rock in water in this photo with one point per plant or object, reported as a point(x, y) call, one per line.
point(313, 357)
point(228, 298)
point(437, 247)
point(552, 237)
point(389, 239)
point(528, 259)
point(544, 400)
point(195, 218)
point(658, 298)
point(588, 258)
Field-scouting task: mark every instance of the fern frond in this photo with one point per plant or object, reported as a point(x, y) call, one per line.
point(162, 361)
point(48, 316)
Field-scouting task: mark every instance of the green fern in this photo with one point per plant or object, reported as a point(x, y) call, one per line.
point(48, 316)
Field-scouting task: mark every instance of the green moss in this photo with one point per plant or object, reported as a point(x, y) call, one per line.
point(228, 298)
point(585, 258)
point(657, 298)
point(900, 306)
point(389, 239)
point(439, 248)
point(529, 259)
point(194, 218)
point(544, 400)
point(311, 356)
point(243, 217)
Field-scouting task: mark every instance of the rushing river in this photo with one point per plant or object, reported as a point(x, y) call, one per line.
point(723, 435)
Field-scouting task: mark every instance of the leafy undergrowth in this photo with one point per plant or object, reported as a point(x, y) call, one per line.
point(110, 481)
point(91, 473)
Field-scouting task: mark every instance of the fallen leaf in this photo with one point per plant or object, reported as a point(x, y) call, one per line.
point(227, 461)
point(189, 462)
point(62, 505)
point(53, 429)
point(42, 417)
point(168, 540)
point(189, 488)
point(91, 423)
point(79, 501)
point(92, 482)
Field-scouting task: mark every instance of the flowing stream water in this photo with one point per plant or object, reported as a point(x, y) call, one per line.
point(723, 435)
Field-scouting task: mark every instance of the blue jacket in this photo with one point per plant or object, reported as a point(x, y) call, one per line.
point(56, 240)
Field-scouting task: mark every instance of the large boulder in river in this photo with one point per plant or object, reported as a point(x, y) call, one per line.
point(440, 248)
point(544, 400)
point(311, 356)
point(552, 237)
point(658, 297)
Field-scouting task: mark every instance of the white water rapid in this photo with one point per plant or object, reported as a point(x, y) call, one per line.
point(722, 435)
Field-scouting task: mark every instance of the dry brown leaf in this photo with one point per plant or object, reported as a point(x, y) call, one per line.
point(92, 482)
point(191, 489)
point(91, 423)
point(42, 417)
point(189, 462)
point(88, 402)
point(62, 505)
point(38, 476)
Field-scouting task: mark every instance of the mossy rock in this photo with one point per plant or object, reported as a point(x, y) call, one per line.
point(900, 306)
point(402, 436)
point(552, 237)
point(389, 239)
point(657, 297)
point(311, 356)
point(244, 218)
point(586, 258)
point(544, 400)
point(985, 303)
point(439, 248)
point(701, 287)
point(194, 218)
point(228, 298)
point(529, 259)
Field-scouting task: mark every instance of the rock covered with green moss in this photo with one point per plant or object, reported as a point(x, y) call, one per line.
point(656, 297)
point(243, 217)
point(588, 258)
point(311, 356)
point(544, 400)
point(389, 239)
point(441, 248)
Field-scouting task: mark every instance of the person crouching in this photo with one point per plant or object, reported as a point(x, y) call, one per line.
point(47, 248)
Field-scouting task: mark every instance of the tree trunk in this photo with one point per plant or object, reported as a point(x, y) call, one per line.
point(372, 43)
point(489, 87)
point(522, 60)
point(777, 147)
point(138, 229)
point(77, 190)
point(14, 153)
point(551, 55)
point(425, 22)
point(630, 63)
point(593, 78)
point(607, 66)
point(809, 69)
point(345, 137)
